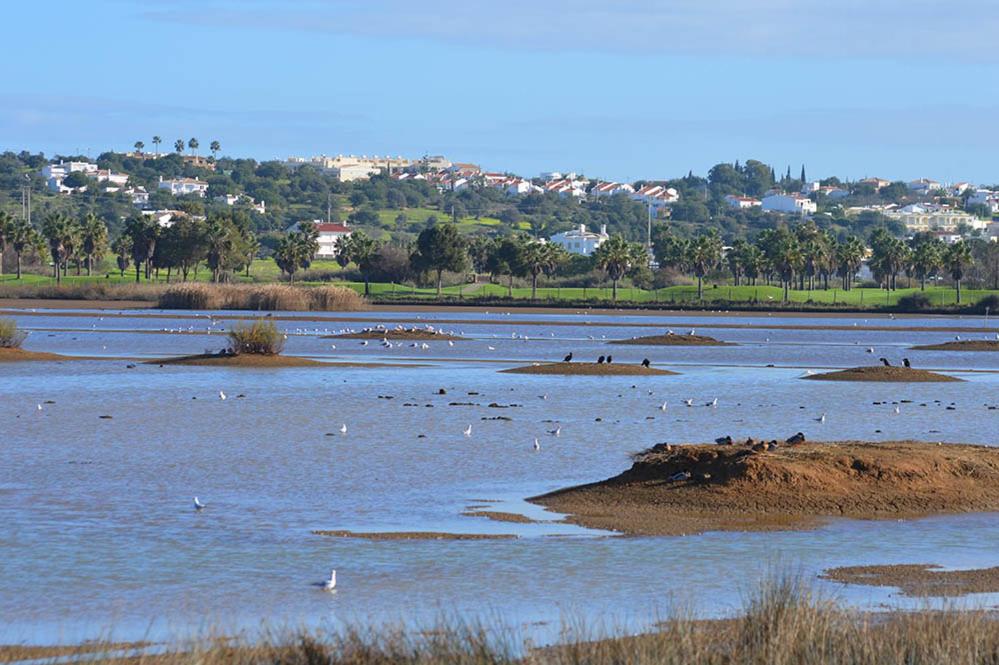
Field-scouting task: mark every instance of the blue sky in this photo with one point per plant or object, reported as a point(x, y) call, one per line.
point(625, 90)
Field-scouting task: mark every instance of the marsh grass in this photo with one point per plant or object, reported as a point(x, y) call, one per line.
point(265, 297)
point(10, 336)
point(260, 338)
point(783, 623)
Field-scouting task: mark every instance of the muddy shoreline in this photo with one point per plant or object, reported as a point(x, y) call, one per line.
point(880, 373)
point(588, 369)
point(680, 489)
point(919, 580)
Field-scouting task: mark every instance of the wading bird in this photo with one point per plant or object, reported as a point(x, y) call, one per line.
point(468, 431)
point(343, 428)
point(610, 359)
point(330, 584)
point(884, 361)
point(568, 358)
point(645, 363)
point(537, 444)
point(221, 395)
point(906, 363)
point(198, 506)
point(600, 360)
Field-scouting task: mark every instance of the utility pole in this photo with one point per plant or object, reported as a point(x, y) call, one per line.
point(329, 207)
point(26, 199)
point(648, 232)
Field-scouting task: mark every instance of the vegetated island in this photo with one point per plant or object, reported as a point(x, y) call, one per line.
point(257, 344)
point(962, 345)
point(399, 334)
point(769, 485)
point(919, 579)
point(11, 339)
point(883, 374)
point(671, 339)
point(589, 369)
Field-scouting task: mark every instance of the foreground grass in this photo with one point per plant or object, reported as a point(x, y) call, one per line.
point(782, 623)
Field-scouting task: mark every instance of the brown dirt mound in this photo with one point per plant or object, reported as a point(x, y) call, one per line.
point(693, 488)
point(964, 345)
point(882, 373)
point(673, 340)
point(589, 369)
point(17, 355)
point(919, 579)
point(241, 360)
point(500, 516)
point(413, 535)
point(409, 334)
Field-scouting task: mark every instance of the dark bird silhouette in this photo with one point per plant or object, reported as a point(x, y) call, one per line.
point(884, 361)
point(609, 359)
point(796, 439)
point(600, 360)
point(645, 363)
point(905, 361)
point(568, 358)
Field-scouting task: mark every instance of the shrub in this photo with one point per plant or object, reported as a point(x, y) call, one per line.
point(269, 297)
point(988, 302)
point(260, 337)
point(335, 299)
point(191, 296)
point(914, 302)
point(10, 336)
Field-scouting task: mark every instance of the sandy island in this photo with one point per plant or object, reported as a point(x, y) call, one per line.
point(885, 374)
point(398, 334)
point(919, 580)
point(589, 369)
point(678, 489)
point(241, 360)
point(413, 535)
point(500, 516)
point(673, 340)
point(18, 355)
point(963, 345)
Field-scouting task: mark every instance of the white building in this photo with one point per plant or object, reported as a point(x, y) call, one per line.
point(581, 241)
point(567, 187)
point(919, 219)
point(183, 186)
point(656, 196)
point(742, 202)
point(139, 196)
point(985, 197)
point(243, 200)
point(54, 174)
point(924, 186)
point(610, 189)
point(330, 235)
point(164, 218)
point(833, 192)
point(789, 203)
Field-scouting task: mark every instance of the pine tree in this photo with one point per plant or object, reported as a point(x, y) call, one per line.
point(803, 174)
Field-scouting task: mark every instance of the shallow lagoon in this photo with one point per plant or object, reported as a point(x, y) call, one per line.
point(99, 530)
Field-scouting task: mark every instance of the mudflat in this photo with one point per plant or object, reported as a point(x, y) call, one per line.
point(677, 489)
point(240, 360)
point(885, 374)
point(412, 535)
point(589, 369)
point(673, 340)
point(407, 334)
point(9, 355)
point(962, 345)
point(919, 579)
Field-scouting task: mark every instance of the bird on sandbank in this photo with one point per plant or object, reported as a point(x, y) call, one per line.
point(884, 361)
point(645, 363)
point(600, 360)
point(568, 358)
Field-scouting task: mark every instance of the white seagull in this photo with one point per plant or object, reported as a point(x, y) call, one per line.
point(689, 402)
point(713, 403)
point(537, 444)
point(221, 395)
point(556, 432)
point(663, 407)
point(343, 428)
point(330, 584)
point(468, 431)
point(821, 418)
point(198, 506)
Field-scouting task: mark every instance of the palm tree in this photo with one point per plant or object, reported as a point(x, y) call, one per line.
point(58, 231)
point(215, 147)
point(849, 257)
point(220, 241)
point(359, 249)
point(956, 258)
point(94, 239)
point(139, 145)
point(736, 260)
point(122, 247)
point(783, 252)
point(178, 146)
point(538, 258)
point(156, 142)
point(23, 237)
point(251, 246)
point(617, 256)
point(704, 256)
point(752, 263)
point(142, 234)
point(927, 257)
point(193, 145)
point(6, 234)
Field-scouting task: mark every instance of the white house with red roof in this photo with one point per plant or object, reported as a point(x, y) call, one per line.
point(742, 202)
point(789, 203)
point(611, 188)
point(330, 235)
point(656, 196)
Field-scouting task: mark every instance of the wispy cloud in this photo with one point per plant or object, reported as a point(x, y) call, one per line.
point(960, 30)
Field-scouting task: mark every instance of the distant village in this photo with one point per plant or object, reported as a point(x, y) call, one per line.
point(943, 209)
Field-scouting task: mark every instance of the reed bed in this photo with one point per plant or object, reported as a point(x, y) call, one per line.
point(10, 336)
point(783, 623)
point(109, 291)
point(266, 297)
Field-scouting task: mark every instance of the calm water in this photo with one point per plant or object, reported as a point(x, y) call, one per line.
point(98, 528)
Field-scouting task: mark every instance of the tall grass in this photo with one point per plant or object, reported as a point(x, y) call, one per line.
point(266, 297)
point(783, 623)
point(260, 337)
point(84, 291)
point(10, 336)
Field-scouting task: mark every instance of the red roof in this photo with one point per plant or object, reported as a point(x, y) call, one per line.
point(332, 228)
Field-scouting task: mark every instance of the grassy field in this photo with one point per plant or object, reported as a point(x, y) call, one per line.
point(265, 270)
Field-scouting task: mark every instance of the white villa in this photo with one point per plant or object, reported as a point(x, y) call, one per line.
point(330, 234)
point(919, 219)
point(742, 202)
point(789, 203)
point(581, 241)
point(182, 186)
point(611, 188)
point(656, 196)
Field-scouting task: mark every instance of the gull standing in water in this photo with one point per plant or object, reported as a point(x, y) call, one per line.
point(343, 428)
point(221, 395)
point(198, 506)
point(468, 431)
point(537, 444)
point(330, 584)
